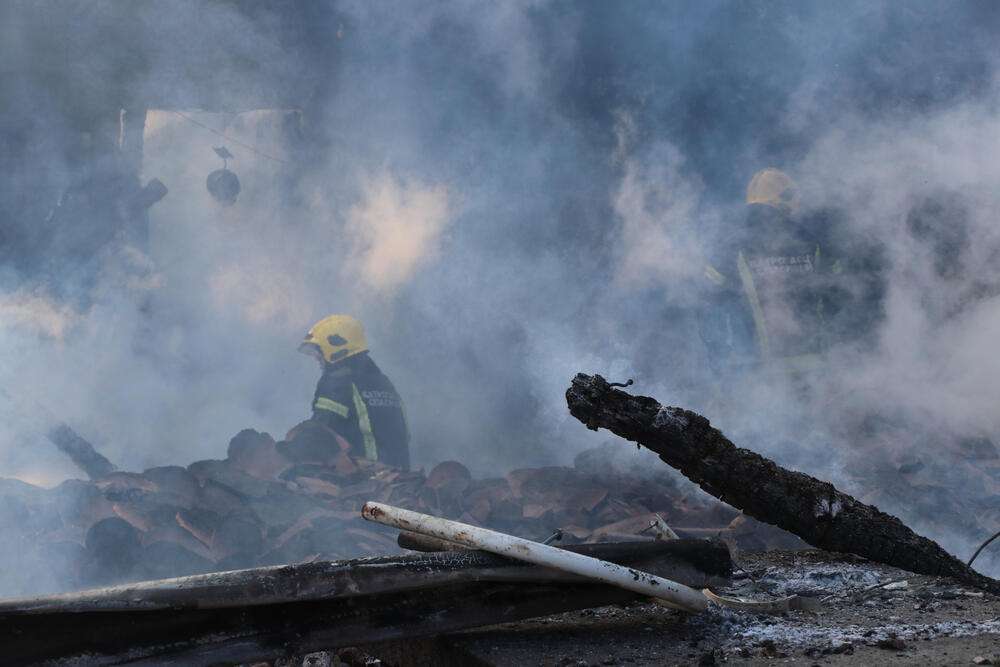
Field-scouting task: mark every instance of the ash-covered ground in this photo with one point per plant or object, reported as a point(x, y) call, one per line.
point(869, 615)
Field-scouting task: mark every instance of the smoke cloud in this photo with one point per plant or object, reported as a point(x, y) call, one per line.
point(656, 205)
point(394, 230)
point(505, 194)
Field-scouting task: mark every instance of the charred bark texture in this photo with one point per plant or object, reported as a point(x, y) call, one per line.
point(247, 635)
point(810, 508)
point(82, 453)
point(262, 614)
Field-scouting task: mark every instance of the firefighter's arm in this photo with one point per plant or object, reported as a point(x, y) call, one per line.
point(330, 411)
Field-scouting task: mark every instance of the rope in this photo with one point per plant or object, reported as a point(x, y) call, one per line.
point(230, 139)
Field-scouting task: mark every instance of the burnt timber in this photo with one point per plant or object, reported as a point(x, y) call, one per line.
point(810, 508)
point(81, 452)
point(267, 613)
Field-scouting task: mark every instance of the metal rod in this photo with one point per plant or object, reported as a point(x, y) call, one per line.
point(678, 595)
point(660, 529)
point(554, 537)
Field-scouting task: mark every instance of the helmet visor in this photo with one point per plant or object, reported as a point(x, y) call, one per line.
point(313, 350)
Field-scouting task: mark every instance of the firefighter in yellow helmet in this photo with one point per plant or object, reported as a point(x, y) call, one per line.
point(353, 399)
point(773, 283)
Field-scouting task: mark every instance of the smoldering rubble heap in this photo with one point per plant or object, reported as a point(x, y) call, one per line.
point(886, 588)
point(257, 508)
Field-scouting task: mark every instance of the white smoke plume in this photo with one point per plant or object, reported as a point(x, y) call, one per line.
point(658, 209)
point(505, 194)
point(395, 229)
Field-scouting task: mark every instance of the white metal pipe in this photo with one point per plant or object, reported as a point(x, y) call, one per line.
point(679, 595)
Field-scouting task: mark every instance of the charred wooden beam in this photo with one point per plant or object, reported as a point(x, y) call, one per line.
point(810, 508)
point(695, 560)
point(81, 452)
point(270, 612)
point(264, 633)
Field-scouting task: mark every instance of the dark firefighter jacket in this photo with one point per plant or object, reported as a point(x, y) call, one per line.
point(781, 293)
point(358, 401)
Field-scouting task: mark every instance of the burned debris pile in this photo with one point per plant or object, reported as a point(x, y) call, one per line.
point(321, 577)
point(257, 508)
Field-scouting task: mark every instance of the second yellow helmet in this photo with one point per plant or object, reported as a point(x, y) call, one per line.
point(335, 338)
point(773, 187)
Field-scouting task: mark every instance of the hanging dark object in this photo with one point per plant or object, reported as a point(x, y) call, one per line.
point(223, 184)
point(224, 187)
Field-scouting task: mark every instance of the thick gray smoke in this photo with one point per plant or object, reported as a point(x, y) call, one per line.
point(506, 194)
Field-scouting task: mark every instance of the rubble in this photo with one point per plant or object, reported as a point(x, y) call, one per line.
point(255, 508)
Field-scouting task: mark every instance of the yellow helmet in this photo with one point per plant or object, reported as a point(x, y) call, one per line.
point(335, 338)
point(773, 187)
